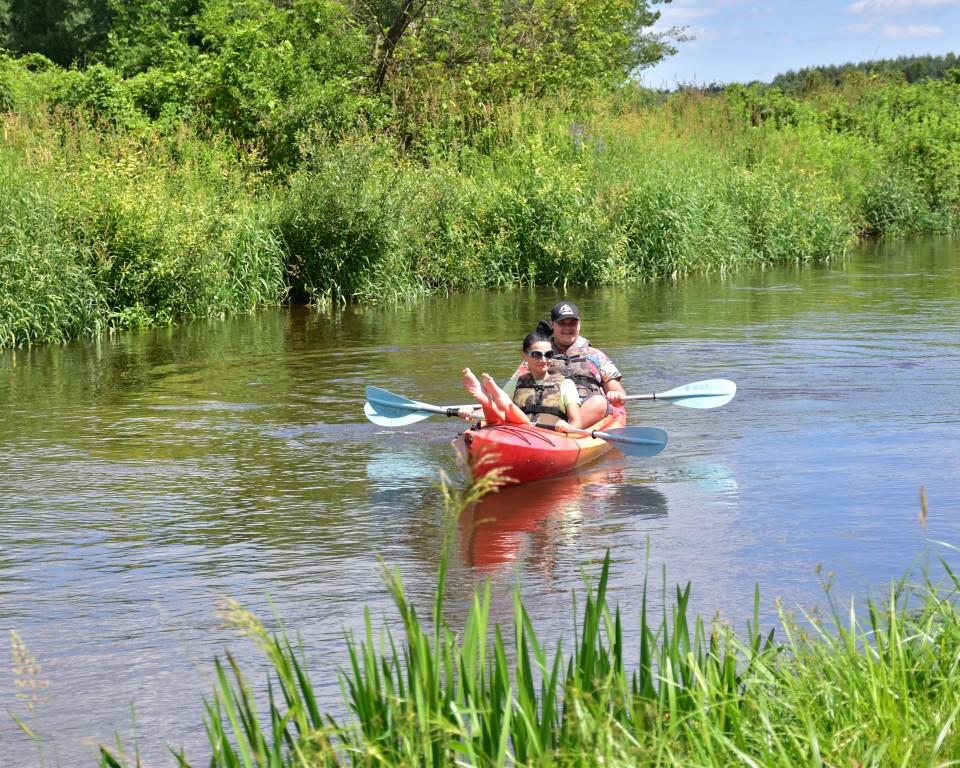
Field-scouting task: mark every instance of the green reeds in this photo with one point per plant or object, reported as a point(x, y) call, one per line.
point(884, 691)
point(102, 229)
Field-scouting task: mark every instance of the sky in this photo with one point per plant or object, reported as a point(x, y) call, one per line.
point(744, 40)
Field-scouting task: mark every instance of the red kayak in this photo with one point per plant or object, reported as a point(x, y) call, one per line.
point(525, 453)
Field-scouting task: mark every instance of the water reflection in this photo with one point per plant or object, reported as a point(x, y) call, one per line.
point(712, 476)
point(398, 474)
point(531, 521)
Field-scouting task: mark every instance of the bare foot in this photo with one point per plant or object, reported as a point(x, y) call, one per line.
point(472, 384)
point(496, 395)
point(491, 413)
point(501, 400)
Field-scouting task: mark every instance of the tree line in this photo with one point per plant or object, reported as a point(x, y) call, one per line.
point(913, 69)
point(178, 158)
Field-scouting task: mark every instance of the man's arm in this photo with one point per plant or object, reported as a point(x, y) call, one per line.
point(614, 391)
point(610, 377)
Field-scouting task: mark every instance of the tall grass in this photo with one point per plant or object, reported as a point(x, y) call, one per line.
point(848, 689)
point(104, 228)
point(580, 204)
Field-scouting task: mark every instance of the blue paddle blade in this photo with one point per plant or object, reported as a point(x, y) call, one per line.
point(378, 417)
point(711, 393)
point(387, 404)
point(390, 410)
point(636, 441)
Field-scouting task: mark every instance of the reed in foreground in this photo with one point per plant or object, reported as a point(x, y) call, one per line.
point(845, 690)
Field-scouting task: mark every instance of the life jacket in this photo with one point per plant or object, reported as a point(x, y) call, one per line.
point(584, 373)
point(541, 402)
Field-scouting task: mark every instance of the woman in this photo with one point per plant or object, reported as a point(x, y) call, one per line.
point(538, 396)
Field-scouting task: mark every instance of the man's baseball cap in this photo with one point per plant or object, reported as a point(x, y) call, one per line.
point(563, 310)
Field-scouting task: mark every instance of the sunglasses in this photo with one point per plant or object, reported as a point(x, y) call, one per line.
point(538, 355)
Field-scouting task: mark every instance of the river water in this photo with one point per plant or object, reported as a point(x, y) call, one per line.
point(147, 476)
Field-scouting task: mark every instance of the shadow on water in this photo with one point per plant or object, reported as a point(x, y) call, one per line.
point(530, 521)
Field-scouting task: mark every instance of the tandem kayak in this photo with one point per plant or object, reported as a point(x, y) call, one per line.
point(526, 453)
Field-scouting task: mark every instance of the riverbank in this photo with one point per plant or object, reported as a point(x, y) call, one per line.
point(121, 227)
point(832, 688)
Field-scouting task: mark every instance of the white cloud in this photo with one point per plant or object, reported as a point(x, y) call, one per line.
point(911, 30)
point(880, 6)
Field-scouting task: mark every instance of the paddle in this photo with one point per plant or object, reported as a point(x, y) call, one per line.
point(390, 410)
point(633, 441)
point(710, 393)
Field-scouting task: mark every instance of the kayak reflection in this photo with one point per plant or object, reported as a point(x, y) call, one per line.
point(533, 520)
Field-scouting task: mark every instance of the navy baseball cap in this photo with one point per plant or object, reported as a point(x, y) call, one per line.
point(563, 310)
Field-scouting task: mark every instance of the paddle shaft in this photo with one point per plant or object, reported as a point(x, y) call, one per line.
point(667, 398)
point(577, 431)
point(453, 410)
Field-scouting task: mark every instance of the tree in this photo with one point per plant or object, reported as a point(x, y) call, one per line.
point(151, 33)
point(388, 20)
point(507, 47)
point(270, 75)
point(65, 31)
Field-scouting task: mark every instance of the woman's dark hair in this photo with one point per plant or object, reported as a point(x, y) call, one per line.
point(545, 327)
point(533, 337)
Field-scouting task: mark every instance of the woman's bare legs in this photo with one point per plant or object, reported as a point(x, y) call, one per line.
point(491, 413)
point(502, 400)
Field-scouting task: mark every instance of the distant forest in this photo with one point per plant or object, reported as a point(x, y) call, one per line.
point(913, 68)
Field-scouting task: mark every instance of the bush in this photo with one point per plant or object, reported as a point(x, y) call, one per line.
point(342, 222)
point(119, 231)
point(47, 291)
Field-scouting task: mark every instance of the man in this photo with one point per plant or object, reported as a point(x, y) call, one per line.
point(596, 377)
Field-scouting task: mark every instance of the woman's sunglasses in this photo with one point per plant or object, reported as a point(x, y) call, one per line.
point(538, 355)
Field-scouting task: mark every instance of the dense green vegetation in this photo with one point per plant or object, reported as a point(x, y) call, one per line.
point(212, 156)
point(840, 689)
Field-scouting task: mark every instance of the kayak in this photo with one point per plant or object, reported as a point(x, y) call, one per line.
point(525, 453)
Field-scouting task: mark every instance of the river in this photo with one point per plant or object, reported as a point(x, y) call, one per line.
point(145, 476)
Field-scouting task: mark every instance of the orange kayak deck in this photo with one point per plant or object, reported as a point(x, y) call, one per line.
point(526, 453)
